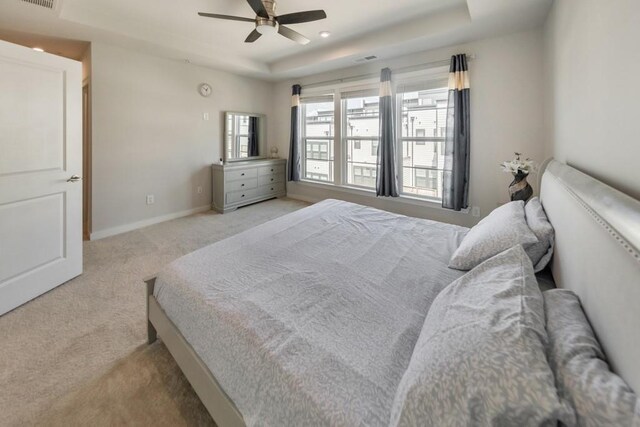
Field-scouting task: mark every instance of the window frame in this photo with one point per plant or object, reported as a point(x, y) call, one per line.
point(419, 81)
point(414, 85)
point(330, 139)
point(346, 93)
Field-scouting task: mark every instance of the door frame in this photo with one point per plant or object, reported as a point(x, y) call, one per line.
point(86, 159)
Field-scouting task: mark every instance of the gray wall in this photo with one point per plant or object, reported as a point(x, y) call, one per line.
point(149, 136)
point(506, 116)
point(592, 67)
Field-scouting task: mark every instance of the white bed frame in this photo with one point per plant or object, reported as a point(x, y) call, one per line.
point(222, 409)
point(597, 255)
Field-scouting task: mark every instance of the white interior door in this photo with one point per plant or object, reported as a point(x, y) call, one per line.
point(40, 149)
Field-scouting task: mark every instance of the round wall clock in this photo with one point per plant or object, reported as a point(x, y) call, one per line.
point(204, 89)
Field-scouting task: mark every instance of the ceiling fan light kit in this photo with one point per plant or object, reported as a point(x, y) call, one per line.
point(267, 22)
point(266, 26)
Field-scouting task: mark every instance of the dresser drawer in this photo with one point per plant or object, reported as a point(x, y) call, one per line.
point(238, 196)
point(271, 170)
point(273, 189)
point(241, 184)
point(241, 174)
point(269, 179)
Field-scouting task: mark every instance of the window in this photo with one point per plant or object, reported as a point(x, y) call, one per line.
point(364, 176)
point(421, 108)
point(318, 176)
point(360, 136)
point(426, 179)
point(423, 114)
point(317, 138)
point(374, 149)
point(317, 150)
point(238, 137)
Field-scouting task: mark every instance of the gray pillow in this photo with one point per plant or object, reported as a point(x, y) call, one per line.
point(541, 252)
point(504, 228)
point(480, 357)
point(583, 378)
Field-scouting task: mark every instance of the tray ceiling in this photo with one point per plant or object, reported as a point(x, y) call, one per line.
point(358, 28)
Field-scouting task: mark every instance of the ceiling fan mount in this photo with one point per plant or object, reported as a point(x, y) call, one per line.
point(267, 22)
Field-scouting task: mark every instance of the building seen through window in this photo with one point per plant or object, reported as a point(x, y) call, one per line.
point(420, 128)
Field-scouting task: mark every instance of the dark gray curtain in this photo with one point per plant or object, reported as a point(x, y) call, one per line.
point(295, 143)
point(455, 193)
point(253, 136)
point(387, 178)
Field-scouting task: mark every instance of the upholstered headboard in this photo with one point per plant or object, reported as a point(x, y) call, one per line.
point(597, 255)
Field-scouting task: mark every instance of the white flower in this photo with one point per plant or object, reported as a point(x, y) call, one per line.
point(518, 165)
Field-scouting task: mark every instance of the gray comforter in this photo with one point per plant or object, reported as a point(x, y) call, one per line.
point(311, 319)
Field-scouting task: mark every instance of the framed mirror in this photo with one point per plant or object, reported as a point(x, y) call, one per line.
point(244, 136)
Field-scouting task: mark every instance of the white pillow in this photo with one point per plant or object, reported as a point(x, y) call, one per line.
point(540, 253)
point(502, 229)
point(583, 377)
point(480, 358)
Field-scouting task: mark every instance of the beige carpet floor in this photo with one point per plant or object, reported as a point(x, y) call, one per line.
point(77, 355)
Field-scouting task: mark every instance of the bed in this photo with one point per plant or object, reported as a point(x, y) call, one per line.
point(257, 322)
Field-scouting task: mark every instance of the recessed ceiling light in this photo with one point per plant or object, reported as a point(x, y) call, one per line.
point(38, 49)
point(324, 34)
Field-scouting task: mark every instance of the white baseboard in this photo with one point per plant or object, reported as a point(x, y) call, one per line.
point(304, 198)
point(145, 222)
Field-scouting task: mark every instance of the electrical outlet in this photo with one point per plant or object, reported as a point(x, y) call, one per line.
point(150, 199)
point(199, 189)
point(475, 211)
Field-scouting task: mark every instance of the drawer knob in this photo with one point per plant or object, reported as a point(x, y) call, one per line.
point(242, 195)
point(271, 179)
point(271, 188)
point(271, 170)
point(242, 174)
point(242, 185)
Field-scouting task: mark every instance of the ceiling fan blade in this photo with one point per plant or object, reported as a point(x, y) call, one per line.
point(258, 8)
point(300, 17)
point(253, 36)
point(229, 17)
point(292, 35)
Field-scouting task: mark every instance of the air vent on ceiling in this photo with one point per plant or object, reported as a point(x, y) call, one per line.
point(367, 58)
point(49, 4)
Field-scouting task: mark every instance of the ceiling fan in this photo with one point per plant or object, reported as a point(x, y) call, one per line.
point(267, 22)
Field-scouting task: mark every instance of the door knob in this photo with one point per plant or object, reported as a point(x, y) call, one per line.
point(74, 178)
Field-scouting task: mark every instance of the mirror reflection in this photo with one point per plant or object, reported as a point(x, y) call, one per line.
point(244, 135)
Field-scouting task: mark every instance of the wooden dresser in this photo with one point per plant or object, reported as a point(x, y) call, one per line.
point(237, 184)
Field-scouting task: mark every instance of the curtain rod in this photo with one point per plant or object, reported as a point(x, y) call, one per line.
point(407, 69)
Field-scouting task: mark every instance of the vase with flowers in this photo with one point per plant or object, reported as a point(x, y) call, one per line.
point(519, 189)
